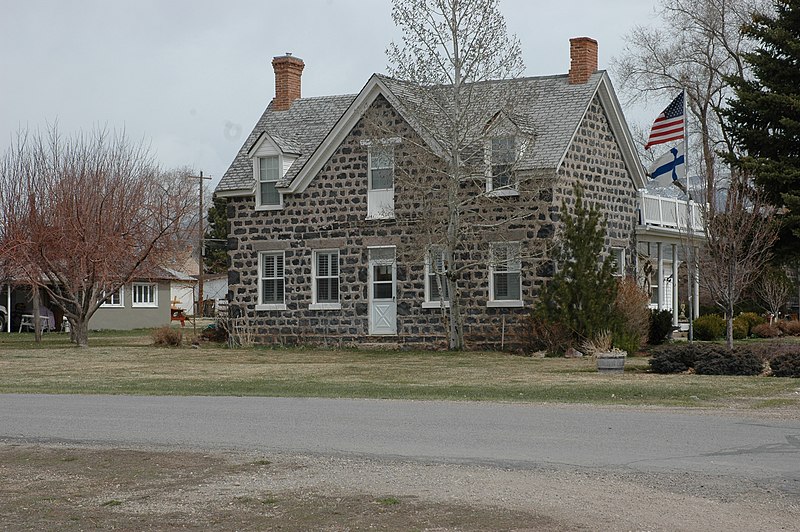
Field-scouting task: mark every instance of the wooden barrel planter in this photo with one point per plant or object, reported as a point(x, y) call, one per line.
point(613, 362)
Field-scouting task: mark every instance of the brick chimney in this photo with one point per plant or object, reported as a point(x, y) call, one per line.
point(583, 59)
point(288, 70)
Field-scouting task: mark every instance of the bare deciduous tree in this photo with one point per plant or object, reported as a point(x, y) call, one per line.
point(450, 51)
point(82, 216)
point(773, 288)
point(694, 46)
point(739, 235)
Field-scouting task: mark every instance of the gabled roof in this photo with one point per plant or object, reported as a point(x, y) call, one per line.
point(298, 130)
point(549, 106)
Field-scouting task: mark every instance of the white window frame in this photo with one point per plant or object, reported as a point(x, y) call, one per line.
point(512, 189)
point(120, 293)
point(618, 256)
point(433, 303)
point(261, 278)
point(257, 170)
point(325, 305)
point(384, 210)
point(153, 290)
point(495, 268)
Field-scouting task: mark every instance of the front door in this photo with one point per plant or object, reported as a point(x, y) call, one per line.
point(382, 287)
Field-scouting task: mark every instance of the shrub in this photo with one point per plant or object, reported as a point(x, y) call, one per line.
point(709, 327)
point(673, 358)
point(724, 362)
point(786, 365)
point(660, 326)
point(752, 320)
point(539, 334)
point(167, 337)
point(740, 328)
point(215, 333)
point(633, 317)
point(765, 330)
point(789, 327)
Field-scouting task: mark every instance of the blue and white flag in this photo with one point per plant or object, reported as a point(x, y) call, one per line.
point(668, 168)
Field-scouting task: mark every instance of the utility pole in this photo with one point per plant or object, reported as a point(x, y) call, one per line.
point(201, 240)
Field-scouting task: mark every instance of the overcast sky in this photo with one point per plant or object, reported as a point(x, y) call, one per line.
point(192, 77)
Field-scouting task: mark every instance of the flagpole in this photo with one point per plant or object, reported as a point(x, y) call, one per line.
point(689, 219)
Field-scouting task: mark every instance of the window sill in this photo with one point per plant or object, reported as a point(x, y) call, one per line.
point(503, 192)
point(325, 306)
point(378, 217)
point(269, 207)
point(505, 304)
point(435, 304)
point(144, 305)
point(274, 306)
point(113, 306)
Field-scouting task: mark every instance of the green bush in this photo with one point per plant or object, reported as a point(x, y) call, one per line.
point(741, 328)
point(674, 358)
point(752, 320)
point(724, 362)
point(628, 341)
point(660, 326)
point(786, 365)
point(709, 327)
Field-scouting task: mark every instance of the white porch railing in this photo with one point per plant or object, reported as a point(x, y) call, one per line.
point(669, 212)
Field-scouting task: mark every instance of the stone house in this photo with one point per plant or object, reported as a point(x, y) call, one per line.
point(325, 237)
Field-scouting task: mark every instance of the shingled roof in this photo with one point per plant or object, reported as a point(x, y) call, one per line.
point(549, 106)
point(300, 130)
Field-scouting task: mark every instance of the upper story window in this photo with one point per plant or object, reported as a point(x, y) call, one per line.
point(436, 291)
point(144, 294)
point(114, 300)
point(502, 156)
point(268, 175)
point(271, 281)
point(380, 193)
point(505, 274)
point(326, 280)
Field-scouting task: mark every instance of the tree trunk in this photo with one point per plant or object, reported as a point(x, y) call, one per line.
point(729, 327)
point(80, 333)
point(37, 322)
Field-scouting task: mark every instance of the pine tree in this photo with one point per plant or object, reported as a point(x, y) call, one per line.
point(581, 294)
point(764, 116)
point(216, 257)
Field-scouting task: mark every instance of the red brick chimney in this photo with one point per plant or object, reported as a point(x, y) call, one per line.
point(288, 70)
point(583, 59)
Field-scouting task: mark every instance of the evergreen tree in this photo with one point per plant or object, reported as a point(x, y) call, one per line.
point(216, 257)
point(581, 294)
point(764, 116)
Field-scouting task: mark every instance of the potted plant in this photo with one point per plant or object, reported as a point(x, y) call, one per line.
point(609, 359)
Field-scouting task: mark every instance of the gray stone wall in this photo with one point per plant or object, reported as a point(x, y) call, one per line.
point(332, 212)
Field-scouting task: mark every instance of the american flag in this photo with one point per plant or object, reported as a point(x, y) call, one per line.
point(669, 124)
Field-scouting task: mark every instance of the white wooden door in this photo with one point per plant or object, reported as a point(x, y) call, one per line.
point(382, 291)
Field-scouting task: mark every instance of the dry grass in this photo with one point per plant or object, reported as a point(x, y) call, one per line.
point(129, 365)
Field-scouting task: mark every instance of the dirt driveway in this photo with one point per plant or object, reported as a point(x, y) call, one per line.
point(52, 486)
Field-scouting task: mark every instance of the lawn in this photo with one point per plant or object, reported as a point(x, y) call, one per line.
point(127, 363)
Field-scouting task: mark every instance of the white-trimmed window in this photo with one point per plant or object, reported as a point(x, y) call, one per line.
point(116, 300)
point(380, 192)
point(144, 295)
point(505, 279)
point(618, 257)
point(502, 156)
point(436, 291)
point(269, 172)
point(271, 281)
point(326, 280)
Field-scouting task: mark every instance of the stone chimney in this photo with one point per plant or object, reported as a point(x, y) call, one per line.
point(583, 59)
point(288, 70)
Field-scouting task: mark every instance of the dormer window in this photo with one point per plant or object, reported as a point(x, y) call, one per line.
point(502, 156)
point(268, 175)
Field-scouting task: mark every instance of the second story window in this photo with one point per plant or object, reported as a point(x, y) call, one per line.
point(380, 194)
point(268, 175)
point(503, 155)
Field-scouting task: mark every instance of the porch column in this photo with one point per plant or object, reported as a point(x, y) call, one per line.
point(696, 285)
point(660, 276)
point(674, 285)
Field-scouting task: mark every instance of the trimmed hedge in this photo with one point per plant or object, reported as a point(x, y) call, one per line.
point(709, 327)
point(765, 330)
point(786, 365)
point(705, 359)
